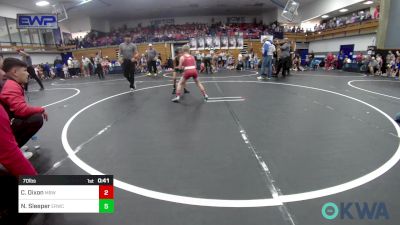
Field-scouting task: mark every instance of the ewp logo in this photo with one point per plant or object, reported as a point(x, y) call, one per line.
point(37, 21)
point(355, 210)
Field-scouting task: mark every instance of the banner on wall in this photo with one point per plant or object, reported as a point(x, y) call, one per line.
point(160, 22)
point(239, 42)
point(232, 42)
point(200, 43)
point(216, 42)
point(224, 42)
point(37, 21)
point(230, 20)
point(193, 44)
point(208, 42)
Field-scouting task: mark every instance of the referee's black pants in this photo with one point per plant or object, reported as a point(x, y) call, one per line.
point(129, 68)
point(152, 66)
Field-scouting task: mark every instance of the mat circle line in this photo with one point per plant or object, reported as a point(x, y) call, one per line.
point(276, 201)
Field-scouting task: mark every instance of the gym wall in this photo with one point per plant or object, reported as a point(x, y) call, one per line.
point(111, 52)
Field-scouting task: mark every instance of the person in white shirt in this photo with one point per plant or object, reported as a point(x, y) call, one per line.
point(268, 52)
point(66, 71)
point(240, 65)
point(70, 65)
point(99, 68)
point(86, 66)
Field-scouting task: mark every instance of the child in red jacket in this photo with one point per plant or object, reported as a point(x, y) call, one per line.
point(2, 73)
point(25, 120)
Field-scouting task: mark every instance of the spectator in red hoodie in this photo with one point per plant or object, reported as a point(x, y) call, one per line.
point(2, 73)
point(329, 61)
point(376, 12)
point(11, 156)
point(25, 120)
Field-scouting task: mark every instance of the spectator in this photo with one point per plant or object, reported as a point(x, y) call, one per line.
point(46, 70)
point(11, 157)
point(70, 66)
point(359, 58)
point(25, 120)
point(76, 67)
point(97, 63)
point(143, 64)
point(268, 53)
point(379, 59)
point(207, 63)
point(151, 55)
point(311, 58)
point(87, 66)
point(66, 70)
point(377, 12)
point(240, 65)
point(2, 73)
point(58, 64)
point(373, 66)
point(341, 59)
point(284, 58)
point(329, 61)
point(296, 63)
point(28, 61)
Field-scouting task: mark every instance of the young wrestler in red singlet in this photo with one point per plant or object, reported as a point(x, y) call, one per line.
point(188, 64)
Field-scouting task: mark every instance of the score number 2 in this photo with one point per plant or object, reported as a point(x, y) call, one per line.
point(106, 192)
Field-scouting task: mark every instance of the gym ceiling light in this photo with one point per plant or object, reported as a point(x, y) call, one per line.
point(42, 3)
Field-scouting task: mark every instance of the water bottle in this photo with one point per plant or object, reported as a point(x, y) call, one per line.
point(35, 142)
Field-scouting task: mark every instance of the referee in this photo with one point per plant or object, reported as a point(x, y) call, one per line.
point(128, 55)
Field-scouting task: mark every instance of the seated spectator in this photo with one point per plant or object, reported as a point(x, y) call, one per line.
point(359, 58)
point(335, 62)
point(25, 120)
point(346, 61)
point(368, 16)
point(296, 64)
point(329, 61)
point(11, 157)
point(240, 64)
point(373, 66)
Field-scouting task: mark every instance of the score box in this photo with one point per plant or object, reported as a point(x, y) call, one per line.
point(66, 194)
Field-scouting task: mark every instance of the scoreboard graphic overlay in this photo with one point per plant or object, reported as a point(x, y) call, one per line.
point(66, 194)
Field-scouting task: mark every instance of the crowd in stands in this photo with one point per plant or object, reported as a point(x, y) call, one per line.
point(336, 22)
point(376, 65)
point(165, 33)
point(184, 32)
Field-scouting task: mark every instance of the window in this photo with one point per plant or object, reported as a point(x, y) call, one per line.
point(14, 32)
point(46, 36)
point(3, 31)
point(25, 36)
point(34, 36)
